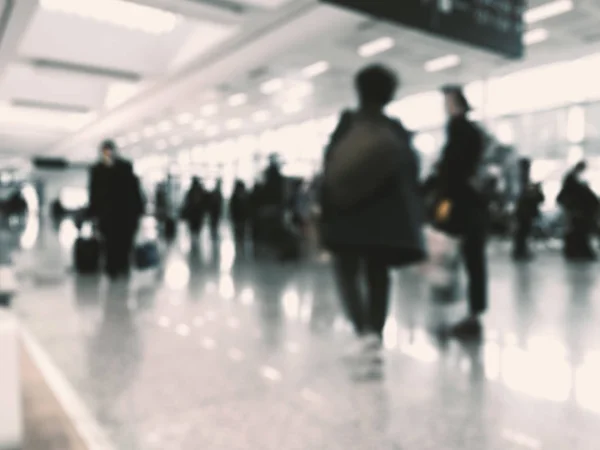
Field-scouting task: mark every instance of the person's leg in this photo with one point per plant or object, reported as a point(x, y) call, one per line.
point(347, 269)
point(378, 282)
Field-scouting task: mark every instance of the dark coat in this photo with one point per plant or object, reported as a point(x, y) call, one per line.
point(115, 197)
point(389, 226)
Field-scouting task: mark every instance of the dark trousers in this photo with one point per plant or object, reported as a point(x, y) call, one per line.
point(367, 313)
point(118, 246)
point(521, 238)
point(475, 260)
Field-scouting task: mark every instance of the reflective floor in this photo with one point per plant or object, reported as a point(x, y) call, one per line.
point(217, 351)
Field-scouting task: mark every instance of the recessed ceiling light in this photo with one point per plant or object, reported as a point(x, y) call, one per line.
point(291, 107)
point(233, 124)
point(535, 36)
point(185, 118)
point(199, 124)
point(443, 63)
point(165, 126)
point(212, 131)
point(548, 10)
point(272, 86)
point(238, 99)
point(299, 90)
point(149, 132)
point(261, 116)
point(161, 145)
point(315, 69)
point(209, 110)
point(375, 47)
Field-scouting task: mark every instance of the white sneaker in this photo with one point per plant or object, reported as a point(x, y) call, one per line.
point(366, 348)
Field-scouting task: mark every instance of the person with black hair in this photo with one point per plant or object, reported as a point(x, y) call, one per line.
point(116, 204)
point(381, 227)
point(462, 206)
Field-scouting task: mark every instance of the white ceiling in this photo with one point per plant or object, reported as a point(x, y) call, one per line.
point(72, 81)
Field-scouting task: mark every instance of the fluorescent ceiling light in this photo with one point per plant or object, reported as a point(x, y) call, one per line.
point(535, 36)
point(234, 124)
point(209, 110)
point(165, 126)
point(212, 131)
point(117, 13)
point(291, 107)
point(548, 10)
point(149, 132)
point(272, 86)
point(299, 90)
point(199, 124)
point(315, 69)
point(375, 47)
point(443, 63)
point(161, 145)
point(238, 100)
point(185, 118)
point(261, 116)
point(35, 118)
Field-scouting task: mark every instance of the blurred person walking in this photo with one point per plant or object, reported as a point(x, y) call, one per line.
point(581, 207)
point(194, 207)
point(116, 204)
point(215, 209)
point(461, 206)
point(239, 211)
point(527, 211)
point(372, 212)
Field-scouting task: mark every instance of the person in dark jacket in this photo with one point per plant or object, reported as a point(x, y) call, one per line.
point(381, 231)
point(527, 211)
point(581, 207)
point(463, 207)
point(194, 207)
point(239, 210)
point(215, 209)
point(116, 204)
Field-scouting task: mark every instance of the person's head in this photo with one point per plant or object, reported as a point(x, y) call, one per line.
point(455, 102)
point(376, 86)
point(580, 168)
point(196, 182)
point(108, 150)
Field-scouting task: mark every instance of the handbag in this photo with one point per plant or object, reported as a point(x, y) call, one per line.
point(362, 161)
point(442, 269)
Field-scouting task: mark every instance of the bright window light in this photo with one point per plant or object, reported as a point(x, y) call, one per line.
point(234, 124)
point(576, 125)
point(548, 10)
point(238, 99)
point(165, 126)
point(291, 107)
point(272, 86)
point(316, 69)
point(575, 155)
point(505, 133)
point(535, 36)
point(117, 13)
point(261, 116)
point(209, 110)
point(443, 63)
point(375, 47)
point(185, 118)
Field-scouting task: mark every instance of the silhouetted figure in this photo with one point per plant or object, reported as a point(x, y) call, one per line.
point(580, 206)
point(117, 205)
point(195, 206)
point(527, 211)
point(239, 210)
point(215, 209)
point(463, 206)
point(382, 225)
point(270, 203)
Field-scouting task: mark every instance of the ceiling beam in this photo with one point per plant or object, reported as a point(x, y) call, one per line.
point(246, 54)
point(196, 10)
point(20, 15)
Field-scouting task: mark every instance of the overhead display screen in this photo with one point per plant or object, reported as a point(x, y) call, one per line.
point(494, 25)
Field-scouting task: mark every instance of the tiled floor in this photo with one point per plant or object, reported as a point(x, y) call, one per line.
point(222, 353)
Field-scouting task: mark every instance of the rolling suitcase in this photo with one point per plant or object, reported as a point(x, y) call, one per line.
point(86, 251)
